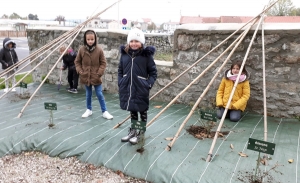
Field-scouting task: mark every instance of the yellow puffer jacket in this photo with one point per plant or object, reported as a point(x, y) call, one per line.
point(240, 97)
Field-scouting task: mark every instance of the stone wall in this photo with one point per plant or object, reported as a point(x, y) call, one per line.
point(191, 42)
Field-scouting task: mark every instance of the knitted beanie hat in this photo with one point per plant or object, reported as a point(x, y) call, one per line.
point(136, 34)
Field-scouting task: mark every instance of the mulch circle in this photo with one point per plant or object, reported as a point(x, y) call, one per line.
point(201, 132)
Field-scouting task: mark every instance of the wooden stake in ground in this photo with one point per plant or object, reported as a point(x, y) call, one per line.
point(240, 38)
point(231, 95)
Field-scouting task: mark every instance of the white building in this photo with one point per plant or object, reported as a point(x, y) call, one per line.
point(170, 27)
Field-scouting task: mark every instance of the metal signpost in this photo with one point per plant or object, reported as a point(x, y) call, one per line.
point(22, 85)
point(124, 22)
point(260, 146)
point(138, 125)
point(50, 106)
point(211, 116)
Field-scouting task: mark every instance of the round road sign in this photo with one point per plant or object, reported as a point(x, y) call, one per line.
point(124, 21)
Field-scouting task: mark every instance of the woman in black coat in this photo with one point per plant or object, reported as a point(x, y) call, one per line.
point(8, 57)
point(136, 76)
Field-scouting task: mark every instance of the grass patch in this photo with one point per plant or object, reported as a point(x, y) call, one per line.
point(28, 79)
point(164, 56)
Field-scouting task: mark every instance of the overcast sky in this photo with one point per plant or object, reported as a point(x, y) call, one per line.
point(158, 10)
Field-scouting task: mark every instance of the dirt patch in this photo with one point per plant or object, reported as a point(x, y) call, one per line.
point(201, 132)
point(248, 177)
point(140, 150)
point(260, 177)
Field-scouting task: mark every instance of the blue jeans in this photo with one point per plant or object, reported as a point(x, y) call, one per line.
point(233, 115)
point(99, 94)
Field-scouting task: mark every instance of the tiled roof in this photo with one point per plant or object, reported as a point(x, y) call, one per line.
point(268, 19)
point(147, 20)
point(283, 19)
point(234, 19)
point(237, 19)
point(190, 19)
point(211, 19)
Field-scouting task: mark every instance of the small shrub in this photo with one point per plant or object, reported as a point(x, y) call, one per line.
point(47, 80)
point(164, 56)
point(27, 79)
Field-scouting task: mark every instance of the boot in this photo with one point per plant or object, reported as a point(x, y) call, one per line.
point(132, 133)
point(134, 140)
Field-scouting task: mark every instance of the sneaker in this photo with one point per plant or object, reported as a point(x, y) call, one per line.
point(5, 90)
point(131, 133)
point(107, 115)
point(14, 89)
point(134, 140)
point(73, 90)
point(87, 113)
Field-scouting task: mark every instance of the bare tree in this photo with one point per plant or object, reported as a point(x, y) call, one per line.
point(296, 12)
point(152, 27)
point(60, 18)
point(282, 8)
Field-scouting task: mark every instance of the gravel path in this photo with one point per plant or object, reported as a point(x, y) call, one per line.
point(36, 167)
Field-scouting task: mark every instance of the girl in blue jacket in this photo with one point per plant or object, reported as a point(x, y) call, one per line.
point(136, 76)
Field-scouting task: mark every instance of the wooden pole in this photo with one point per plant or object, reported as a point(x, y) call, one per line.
point(182, 73)
point(29, 73)
point(240, 38)
point(264, 81)
point(265, 157)
point(33, 54)
point(45, 51)
point(195, 80)
point(82, 26)
point(33, 67)
point(54, 41)
point(231, 95)
point(21, 112)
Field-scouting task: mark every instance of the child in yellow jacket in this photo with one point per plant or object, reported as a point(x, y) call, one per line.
point(241, 94)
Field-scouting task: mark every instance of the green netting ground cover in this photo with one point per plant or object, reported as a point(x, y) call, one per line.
point(93, 140)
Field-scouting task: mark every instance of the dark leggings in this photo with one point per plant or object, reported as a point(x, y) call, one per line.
point(233, 115)
point(73, 78)
point(143, 115)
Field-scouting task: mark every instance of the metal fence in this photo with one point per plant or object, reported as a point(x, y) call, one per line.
point(10, 33)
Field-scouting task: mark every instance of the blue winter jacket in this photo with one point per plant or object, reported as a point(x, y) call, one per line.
point(136, 76)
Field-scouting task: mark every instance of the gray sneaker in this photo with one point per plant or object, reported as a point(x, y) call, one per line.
point(73, 90)
point(134, 140)
point(131, 134)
